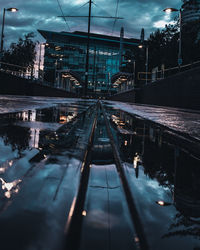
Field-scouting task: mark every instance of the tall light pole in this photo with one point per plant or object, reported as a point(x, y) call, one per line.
point(168, 11)
point(141, 46)
point(39, 61)
point(88, 48)
point(3, 24)
point(133, 70)
point(147, 62)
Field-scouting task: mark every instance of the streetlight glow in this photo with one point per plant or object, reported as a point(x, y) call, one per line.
point(3, 23)
point(169, 10)
point(163, 203)
point(12, 9)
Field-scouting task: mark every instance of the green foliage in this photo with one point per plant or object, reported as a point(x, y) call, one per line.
point(22, 54)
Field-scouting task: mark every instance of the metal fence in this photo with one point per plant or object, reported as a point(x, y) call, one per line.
point(164, 73)
point(22, 72)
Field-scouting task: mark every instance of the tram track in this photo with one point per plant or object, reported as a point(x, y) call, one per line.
point(130, 201)
point(77, 212)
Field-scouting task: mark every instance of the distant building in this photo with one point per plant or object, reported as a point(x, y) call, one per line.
point(66, 52)
point(191, 11)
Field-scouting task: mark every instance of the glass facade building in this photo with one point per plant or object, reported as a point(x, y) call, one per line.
point(69, 51)
point(191, 11)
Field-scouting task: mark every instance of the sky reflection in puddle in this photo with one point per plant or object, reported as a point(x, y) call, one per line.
point(164, 179)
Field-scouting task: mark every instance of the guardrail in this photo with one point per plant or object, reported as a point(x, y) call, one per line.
point(22, 72)
point(164, 73)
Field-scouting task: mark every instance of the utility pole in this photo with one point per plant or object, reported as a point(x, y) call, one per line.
point(180, 60)
point(121, 48)
point(94, 71)
point(3, 24)
point(2, 31)
point(88, 41)
point(39, 61)
point(146, 63)
point(88, 50)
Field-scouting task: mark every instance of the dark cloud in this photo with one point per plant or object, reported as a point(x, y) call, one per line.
point(42, 14)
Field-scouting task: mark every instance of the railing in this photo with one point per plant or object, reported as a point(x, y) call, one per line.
point(22, 72)
point(29, 75)
point(164, 73)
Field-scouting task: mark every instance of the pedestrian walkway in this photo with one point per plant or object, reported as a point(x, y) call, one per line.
point(179, 120)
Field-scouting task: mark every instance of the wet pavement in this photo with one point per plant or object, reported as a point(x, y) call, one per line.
point(183, 121)
point(47, 152)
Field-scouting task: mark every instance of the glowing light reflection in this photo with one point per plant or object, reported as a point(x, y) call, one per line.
point(10, 187)
point(84, 213)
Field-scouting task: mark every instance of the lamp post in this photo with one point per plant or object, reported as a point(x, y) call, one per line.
point(55, 75)
point(3, 24)
point(168, 11)
point(133, 71)
point(141, 46)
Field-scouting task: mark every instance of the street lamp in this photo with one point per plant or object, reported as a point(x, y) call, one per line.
point(3, 23)
point(133, 70)
point(56, 64)
point(141, 46)
point(168, 11)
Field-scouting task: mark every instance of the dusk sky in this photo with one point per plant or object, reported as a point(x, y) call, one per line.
point(42, 14)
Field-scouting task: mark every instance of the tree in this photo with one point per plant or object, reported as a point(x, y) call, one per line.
point(191, 42)
point(163, 44)
point(22, 54)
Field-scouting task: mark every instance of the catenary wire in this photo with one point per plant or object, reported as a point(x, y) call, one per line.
point(116, 12)
point(63, 15)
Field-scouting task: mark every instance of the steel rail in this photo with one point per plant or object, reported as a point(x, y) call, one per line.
point(129, 198)
point(74, 222)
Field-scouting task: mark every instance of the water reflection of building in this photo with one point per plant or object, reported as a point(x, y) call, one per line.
point(128, 135)
point(168, 163)
point(174, 168)
point(164, 160)
point(187, 184)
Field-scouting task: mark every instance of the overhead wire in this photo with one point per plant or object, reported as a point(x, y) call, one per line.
point(63, 15)
point(116, 12)
point(75, 9)
point(102, 8)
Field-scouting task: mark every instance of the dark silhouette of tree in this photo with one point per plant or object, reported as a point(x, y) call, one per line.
point(163, 45)
point(22, 53)
point(184, 226)
point(17, 137)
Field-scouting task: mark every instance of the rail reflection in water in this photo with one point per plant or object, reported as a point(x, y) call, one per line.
point(101, 178)
point(101, 209)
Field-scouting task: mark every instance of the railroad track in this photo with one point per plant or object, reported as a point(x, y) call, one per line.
point(74, 226)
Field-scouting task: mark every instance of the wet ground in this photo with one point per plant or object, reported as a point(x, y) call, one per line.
point(65, 186)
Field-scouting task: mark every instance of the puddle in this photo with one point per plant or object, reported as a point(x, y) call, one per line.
point(164, 177)
point(22, 131)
